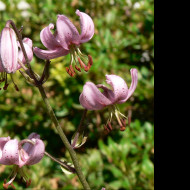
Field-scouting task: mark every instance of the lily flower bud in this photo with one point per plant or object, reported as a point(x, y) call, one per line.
point(8, 50)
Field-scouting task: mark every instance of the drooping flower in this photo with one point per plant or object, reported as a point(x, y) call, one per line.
point(92, 98)
point(10, 55)
point(26, 152)
point(66, 39)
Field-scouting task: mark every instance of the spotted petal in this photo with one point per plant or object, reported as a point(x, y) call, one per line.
point(3, 141)
point(87, 27)
point(50, 54)
point(67, 32)
point(134, 76)
point(92, 99)
point(35, 152)
point(48, 39)
point(10, 153)
point(120, 89)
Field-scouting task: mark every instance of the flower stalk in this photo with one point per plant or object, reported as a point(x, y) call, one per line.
point(64, 139)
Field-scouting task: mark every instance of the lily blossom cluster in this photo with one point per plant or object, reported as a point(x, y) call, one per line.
point(26, 152)
point(11, 54)
point(66, 39)
point(92, 98)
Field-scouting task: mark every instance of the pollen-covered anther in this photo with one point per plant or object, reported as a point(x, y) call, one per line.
point(70, 72)
point(108, 127)
point(28, 183)
point(5, 86)
point(6, 185)
point(77, 68)
point(90, 61)
point(123, 126)
point(82, 65)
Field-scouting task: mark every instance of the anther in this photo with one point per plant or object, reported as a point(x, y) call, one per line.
point(72, 70)
point(123, 127)
point(110, 127)
point(82, 65)
point(69, 72)
point(77, 68)
point(90, 62)
point(5, 86)
point(28, 183)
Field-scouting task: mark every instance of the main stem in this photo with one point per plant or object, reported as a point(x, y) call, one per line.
point(64, 139)
point(50, 110)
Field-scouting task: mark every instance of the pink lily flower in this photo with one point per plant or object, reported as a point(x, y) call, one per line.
point(26, 152)
point(92, 98)
point(66, 39)
point(10, 55)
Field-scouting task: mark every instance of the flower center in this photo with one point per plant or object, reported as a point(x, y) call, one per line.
point(78, 60)
point(113, 110)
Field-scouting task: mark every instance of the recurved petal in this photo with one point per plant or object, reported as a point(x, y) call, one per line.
point(92, 99)
point(35, 152)
point(107, 92)
point(28, 146)
point(10, 153)
point(8, 50)
point(28, 41)
point(28, 47)
point(134, 76)
point(87, 27)
point(66, 32)
point(50, 54)
point(120, 89)
point(48, 39)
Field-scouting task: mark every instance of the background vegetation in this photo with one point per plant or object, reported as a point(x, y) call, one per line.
point(124, 39)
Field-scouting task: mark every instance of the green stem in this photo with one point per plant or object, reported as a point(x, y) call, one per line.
point(64, 139)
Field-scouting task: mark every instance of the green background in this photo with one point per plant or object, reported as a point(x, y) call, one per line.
point(123, 39)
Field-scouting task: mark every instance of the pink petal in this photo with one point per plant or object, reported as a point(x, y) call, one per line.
point(119, 87)
point(10, 153)
point(48, 39)
point(50, 54)
point(3, 141)
point(134, 76)
point(107, 92)
point(28, 47)
point(36, 152)
point(92, 99)
point(66, 32)
point(27, 41)
point(87, 27)
point(8, 50)
point(28, 146)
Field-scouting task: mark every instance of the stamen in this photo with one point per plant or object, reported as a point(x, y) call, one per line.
point(24, 177)
point(14, 173)
point(72, 70)
point(28, 183)
point(16, 87)
point(6, 84)
point(90, 61)
point(77, 68)
point(84, 61)
point(69, 72)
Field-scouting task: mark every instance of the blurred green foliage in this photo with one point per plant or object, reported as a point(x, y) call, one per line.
point(124, 39)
